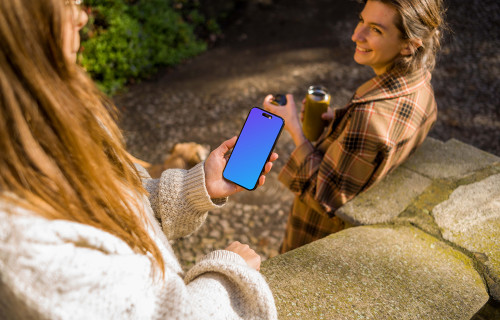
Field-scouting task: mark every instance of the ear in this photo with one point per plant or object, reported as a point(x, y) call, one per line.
point(410, 46)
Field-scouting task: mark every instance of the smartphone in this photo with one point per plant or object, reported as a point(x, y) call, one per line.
point(253, 148)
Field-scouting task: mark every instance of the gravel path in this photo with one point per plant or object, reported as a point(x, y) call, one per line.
point(284, 46)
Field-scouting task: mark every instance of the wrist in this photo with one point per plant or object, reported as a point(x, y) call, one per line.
point(295, 131)
point(195, 189)
point(298, 138)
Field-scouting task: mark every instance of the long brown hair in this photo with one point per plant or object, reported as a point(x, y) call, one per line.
point(419, 19)
point(61, 153)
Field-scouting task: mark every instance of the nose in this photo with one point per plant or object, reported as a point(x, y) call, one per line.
point(358, 35)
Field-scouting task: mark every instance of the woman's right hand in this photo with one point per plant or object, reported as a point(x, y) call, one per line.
point(249, 255)
point(327, 116)
point(217, 186)
point(289, 113)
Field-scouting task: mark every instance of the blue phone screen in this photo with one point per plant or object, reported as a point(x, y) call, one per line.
point(255, 143)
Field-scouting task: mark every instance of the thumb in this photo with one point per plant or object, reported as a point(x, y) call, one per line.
point(227, 145)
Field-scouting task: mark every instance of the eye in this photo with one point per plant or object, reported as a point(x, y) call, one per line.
point(376, 30)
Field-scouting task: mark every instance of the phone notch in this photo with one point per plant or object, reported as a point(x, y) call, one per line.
point(267, 115)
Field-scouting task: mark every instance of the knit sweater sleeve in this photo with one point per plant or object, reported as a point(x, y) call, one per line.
point(180, 200)
point(65, 270)
point(221, 286)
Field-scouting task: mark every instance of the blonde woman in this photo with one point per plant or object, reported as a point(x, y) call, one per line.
point(83, 233)
point(386, 120)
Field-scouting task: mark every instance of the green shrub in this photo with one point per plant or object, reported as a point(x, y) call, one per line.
point(126, 40)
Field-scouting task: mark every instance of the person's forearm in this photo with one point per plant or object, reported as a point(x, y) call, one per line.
point(297, 135)
point(298, 138)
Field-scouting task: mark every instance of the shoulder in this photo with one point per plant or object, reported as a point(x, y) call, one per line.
point(393, 85)
point(395, 96)
point(23, 229)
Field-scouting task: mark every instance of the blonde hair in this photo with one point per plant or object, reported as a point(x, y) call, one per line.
point(61, 151)
point(418, 19)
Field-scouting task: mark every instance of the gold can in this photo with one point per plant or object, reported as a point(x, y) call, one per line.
point(317, 102)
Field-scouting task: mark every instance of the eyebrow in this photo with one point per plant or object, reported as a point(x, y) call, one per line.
point(373, 23)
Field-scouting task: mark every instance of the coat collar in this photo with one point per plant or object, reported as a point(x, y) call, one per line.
point(391, 85)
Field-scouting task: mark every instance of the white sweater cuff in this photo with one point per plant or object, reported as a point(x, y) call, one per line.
point(225, 255)
point(196, 192)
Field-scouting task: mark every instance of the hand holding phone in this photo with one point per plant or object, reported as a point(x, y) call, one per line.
point(217, 186)
point(253, 148)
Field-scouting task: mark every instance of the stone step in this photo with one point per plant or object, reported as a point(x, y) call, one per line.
point(375, 272)
point(470, 218)
point(448, 160)
point(434, 161)
point(451, 191)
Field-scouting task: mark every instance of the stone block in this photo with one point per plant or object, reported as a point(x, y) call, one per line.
point(375, 272)
point(386, 200)
point(450, 160)
point(470, 218)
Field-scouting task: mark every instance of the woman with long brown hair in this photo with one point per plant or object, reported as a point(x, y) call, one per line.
point(386, 120)
point(83, 232)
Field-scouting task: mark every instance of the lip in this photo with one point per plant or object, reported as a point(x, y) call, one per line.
point(363, 50)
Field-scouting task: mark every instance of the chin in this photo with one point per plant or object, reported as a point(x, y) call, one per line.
point(358, 60)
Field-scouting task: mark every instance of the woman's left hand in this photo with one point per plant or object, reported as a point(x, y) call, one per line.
point(217, 186)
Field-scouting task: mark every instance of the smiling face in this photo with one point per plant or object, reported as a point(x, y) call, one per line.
point(74, 20)
point(378, 40)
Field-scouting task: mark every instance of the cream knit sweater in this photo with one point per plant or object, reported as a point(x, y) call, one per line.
point(65, 270)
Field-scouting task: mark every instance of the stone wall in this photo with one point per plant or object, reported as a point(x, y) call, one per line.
point(422, 244)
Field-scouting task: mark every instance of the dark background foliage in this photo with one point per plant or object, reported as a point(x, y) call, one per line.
point(127, 40)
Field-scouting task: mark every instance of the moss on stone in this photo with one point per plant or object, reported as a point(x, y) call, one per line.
point(374, 272)
point(479, 175)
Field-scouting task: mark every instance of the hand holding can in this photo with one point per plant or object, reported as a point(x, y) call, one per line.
point(316, 103)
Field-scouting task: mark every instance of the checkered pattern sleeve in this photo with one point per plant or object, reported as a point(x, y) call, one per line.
point(303, 162)
point(351, 160)
point(327, 179)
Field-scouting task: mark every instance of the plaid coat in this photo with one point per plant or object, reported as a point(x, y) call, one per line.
point(386, 120)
